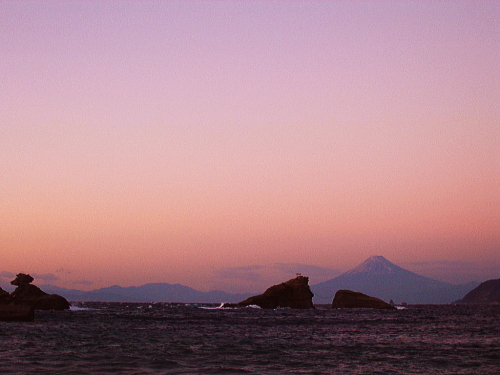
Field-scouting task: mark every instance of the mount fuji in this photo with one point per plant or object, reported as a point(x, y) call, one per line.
point(380, 278)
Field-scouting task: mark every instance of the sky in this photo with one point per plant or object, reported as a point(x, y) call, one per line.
point(231, 144)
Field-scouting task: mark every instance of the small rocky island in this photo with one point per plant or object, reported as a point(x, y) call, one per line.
point(487, 292)
point(294, 293)
point(347, 299)
point(26, 298)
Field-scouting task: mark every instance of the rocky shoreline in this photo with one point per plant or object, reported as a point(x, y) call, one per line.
point(21, 304)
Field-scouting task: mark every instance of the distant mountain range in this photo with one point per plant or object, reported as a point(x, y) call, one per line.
point(380, 278)
point(376, 277)
point(157, 292)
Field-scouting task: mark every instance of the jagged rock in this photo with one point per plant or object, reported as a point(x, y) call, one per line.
point(294, 293)
point(350, 300)
point(31, 295)
point(487, 292)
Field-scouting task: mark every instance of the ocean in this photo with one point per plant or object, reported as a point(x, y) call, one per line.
point(165, 338)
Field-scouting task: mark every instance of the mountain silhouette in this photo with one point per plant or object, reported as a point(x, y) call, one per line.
point(154, 292)
point(380, 278)
point(376, 277)
point(487, 292)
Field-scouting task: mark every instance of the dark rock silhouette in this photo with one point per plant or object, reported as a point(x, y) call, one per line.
point(13, 312)
point(294, 293)
point(5, 297)
point(30, 295)
point(9, 311)
point(487, 292)
point(351, 300)
point(22, 279)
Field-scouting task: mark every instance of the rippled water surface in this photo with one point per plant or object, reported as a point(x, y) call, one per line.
point(104, 338)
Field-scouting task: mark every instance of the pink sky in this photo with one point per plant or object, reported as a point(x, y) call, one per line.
point(203, 143)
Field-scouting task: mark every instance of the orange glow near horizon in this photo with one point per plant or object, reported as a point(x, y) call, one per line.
point(162, 142)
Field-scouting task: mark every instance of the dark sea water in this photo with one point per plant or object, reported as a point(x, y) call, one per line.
point(161, 338)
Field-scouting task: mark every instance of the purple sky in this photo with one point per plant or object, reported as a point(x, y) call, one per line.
point(230, 144)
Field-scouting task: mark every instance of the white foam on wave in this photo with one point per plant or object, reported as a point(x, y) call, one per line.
point(78, 308)
point(224, 306)
point(221, 306)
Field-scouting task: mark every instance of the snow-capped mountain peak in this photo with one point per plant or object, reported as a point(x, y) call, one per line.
point(375, 265)
point(380, 278)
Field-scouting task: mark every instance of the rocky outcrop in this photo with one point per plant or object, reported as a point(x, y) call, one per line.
point(5, 297)
point(347, 299)
point(294, 293)
point(27, 294)
point(486, 293)
point(11, 312)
